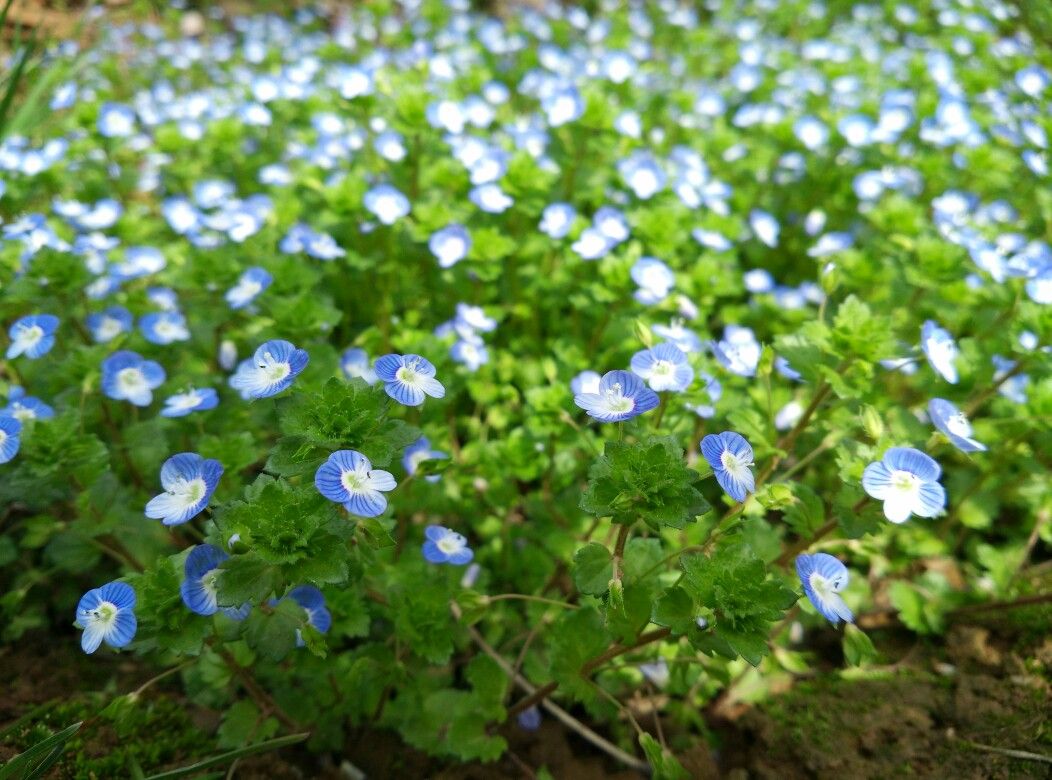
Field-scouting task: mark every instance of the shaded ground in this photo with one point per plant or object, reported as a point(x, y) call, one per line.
point(944, 709)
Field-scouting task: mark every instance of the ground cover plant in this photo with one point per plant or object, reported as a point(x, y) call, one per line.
point(454, 374)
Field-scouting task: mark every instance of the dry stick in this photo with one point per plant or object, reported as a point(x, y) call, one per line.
point(559, 713)
point(1024, 755)
point(803, 544)
point(987, 394)
point(619, 549)
point(1023, 601)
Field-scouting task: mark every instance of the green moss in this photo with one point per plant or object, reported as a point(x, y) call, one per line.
point(153, 733)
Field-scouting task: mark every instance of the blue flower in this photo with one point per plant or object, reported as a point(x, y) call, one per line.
point(446, 546)
point(313, 603)
point(192, 400)
point(665, 367)
point(530, 718)
point(490, 198)
point(107, 614)
point(906, 481)
point(739, 351)
point(450, 245)
point(781, 365)
point(198, 588)
point(557, 219)
point(470, 353)
point(25, 407)
point(249, 285)
point(10, 437)
point(164, 327)
point(823, 577)
point(115, 120)
point(562, 106)
point(189, 481)
point(32, 336)
point(271, 369)
point(684, 338)
point(109, 324)
point(386, 203)
point(655, 280)
point(408, 378)
point(621, 396)
point(714, 390)
point(355, 364)
point(419, 451)
point(1014, 387)
point(940, 349)
point(642, 173)
point(127, 377)
point(765, 226)
point(585, 382)
point(730, 456)
point(954, 425)
point(348, 478)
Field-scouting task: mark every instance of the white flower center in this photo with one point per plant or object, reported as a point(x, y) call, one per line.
point(273, 370)
point(22, 413)
point(354, 481)
point(130, 379)
point(108, 329)
point(30, 335)
point(904, 482)
point(663, 368)
point(734, 464)
point(449, 544)
point(185, 401)
point(407, 374)
point(959, 426)
point(104, 613)
point(616, 401)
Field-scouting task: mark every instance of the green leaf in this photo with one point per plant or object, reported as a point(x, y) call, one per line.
point(665, 766)
point(858, 647)
point(675, 609)
point(343, 415)
point(646, 480)
point(807, 512)
point(592, 569)
point(577, 636)
point(272, 632)
point(246, 578)
point(242, 725)
point(915, 611)
point(745, 601)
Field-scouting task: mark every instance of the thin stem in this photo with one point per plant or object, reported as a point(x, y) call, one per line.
point(662, 405)
point(619, 549)
point(787, 441)
point(166, 673)
point(526, 597)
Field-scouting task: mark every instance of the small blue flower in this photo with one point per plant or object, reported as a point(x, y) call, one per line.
point(446, 546)
point(408, 378)
point(1013, 388)
point(765, 227)
point(386, 203)
point(621, 396)
point(714, 390)
point(271, 369)
point(781, 365)
point(585, 382)
point(107, 614)
point(730, 456)
point(823, 577)
point(419, 451)
point(126, 376)
point(10, 437)
point(906, 481)
point(656, 672)
point(557, 219)
point(25, 407)
point(684, 338)
point(948, 419)
point(664, 367)
point(107, 325)
point(249, 285)
point(199, 589)
point(313, 603)
point(530, 718)
point(32, 336)
point(738, 351)
point(355, 365)
point(450, 245)
point(655, 280)
point(643, 174)
point(115, 120)
point(470, 353)
point(164, 327)
point(348, 478)
point(193, 400)
point(940, 349)
point(189, 481)
point(490, 198)
point(562, 106)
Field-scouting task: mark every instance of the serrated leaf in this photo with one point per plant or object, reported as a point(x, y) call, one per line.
point(592, 569)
